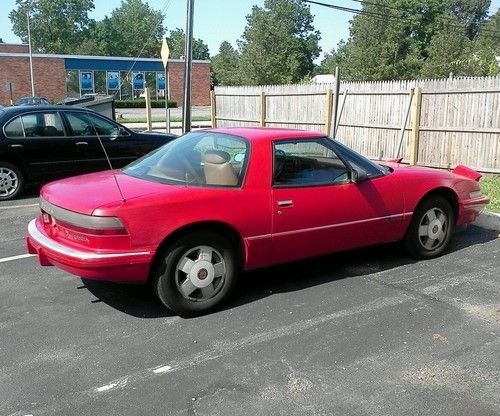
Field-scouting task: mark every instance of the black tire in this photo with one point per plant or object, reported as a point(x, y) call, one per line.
point(430, 229)
point(168, 279)
point(11, 181)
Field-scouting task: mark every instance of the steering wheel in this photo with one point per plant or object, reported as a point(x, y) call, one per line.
point(279, 162)
point(89, 131)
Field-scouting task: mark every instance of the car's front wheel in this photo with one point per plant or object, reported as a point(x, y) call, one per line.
point(196, 274)
point(11, 181)
point(430, 229)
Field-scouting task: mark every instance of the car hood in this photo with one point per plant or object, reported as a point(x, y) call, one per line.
point(86, 193)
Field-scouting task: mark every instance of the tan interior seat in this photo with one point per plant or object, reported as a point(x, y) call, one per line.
point(218, 170)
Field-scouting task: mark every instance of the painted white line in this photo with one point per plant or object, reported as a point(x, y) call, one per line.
point(224, 348)
point(116, 384)
point(21, 256)
point(163, 369)
point(19, 206)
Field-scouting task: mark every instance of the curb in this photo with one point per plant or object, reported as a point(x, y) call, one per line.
point(488, 220)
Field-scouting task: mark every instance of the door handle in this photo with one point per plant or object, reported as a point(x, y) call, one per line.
point(285, 203)
point(81, 143)
point(15, 145)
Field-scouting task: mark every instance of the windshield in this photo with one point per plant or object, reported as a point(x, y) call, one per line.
point(199, 159)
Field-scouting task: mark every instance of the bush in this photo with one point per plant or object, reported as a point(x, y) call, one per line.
point(142, 103)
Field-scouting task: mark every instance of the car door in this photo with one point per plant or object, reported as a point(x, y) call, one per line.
point(85, 134)
point(121, 146)
point(39, 140)
point(318, 210)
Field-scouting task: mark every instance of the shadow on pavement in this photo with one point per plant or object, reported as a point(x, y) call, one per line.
point(134, 300)
point(139, 301)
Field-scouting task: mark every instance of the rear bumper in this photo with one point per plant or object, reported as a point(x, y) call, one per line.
point(469, 209)
point(119, 266)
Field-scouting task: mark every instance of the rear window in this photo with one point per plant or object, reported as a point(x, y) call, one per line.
point(200, 159)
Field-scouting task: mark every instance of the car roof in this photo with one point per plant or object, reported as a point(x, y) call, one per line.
point(267, 133)
point(18, 109)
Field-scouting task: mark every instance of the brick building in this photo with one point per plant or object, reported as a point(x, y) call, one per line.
point(59, 76)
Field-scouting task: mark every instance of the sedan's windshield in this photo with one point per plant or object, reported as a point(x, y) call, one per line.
point(200, 159)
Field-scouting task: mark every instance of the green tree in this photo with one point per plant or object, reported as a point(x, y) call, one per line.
point(225, 66)
point(397, 39)
point(57, 26)
point(279, 43)
point(177, 45)
point(133, 29)
point(486, 48)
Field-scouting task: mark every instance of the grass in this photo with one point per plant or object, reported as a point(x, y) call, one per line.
point(160, 119)
point(491, 187)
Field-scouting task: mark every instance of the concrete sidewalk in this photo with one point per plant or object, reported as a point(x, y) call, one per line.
point(175, 127)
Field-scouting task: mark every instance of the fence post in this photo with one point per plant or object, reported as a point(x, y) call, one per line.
point(328, 111)
point(213, 109)
point(147, 93)
point(415, 125)
point(262, 109)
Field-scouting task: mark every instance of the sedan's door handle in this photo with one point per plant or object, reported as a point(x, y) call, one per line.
point(285, 203)
point(15, 145)
point(81, 143)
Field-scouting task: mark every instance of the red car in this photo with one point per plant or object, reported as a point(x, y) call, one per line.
point(191, 214)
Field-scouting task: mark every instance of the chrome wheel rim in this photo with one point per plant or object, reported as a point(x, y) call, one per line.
point(9, 181)
point(433, 229)
point(200, 273)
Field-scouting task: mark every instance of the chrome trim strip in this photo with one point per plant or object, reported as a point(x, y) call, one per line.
point(81, 220)
point(324, 227)
point(46, 242)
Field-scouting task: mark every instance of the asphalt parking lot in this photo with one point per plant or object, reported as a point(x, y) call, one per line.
point(369, 332)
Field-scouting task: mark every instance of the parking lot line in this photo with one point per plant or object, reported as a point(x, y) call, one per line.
point(19, 206)
point(19, 257)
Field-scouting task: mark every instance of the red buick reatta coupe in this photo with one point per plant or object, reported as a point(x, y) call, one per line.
point(191, 214)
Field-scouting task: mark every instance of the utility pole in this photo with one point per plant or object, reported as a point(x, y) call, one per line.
point(186, 108)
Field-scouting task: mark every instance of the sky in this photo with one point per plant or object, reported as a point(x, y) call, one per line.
point(218, 20)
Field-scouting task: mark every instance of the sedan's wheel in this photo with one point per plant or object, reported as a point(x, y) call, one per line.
point(197, 274)
point(11, 181)
point(430, 230)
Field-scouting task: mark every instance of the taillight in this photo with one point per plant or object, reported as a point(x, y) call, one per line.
point(113, 229)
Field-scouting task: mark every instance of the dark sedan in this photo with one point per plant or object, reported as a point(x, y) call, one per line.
point(42, 143)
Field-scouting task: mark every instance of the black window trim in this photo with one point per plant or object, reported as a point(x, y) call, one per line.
point(20, 115)
point(91, 113)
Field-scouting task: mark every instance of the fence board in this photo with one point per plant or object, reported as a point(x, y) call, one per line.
point(459, 117)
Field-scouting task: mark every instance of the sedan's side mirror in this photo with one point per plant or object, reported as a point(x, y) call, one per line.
point(124, 132)
point(358, 175)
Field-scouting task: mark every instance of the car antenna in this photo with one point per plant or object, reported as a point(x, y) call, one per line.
point(107, 157)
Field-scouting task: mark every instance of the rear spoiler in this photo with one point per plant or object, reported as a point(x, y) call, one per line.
point(467, 172)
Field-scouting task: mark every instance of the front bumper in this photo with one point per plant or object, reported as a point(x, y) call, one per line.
point(119, 266)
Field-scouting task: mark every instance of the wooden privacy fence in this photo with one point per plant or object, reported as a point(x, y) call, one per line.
point(439, 123)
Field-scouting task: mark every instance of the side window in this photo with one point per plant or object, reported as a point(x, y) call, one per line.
point(14, 128)
point(306, 163)
point(37, 125)
point(89, 125)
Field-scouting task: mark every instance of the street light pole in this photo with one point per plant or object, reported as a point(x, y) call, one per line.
point(186, 108)
point(29, 3)
point(31, 54)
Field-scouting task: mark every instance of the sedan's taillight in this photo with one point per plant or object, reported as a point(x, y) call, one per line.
point(106, 226)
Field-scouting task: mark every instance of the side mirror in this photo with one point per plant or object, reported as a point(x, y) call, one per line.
point(124, 132)
point(358, 175)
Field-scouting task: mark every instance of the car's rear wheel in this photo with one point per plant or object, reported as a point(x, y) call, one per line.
point(11, 181)
point(197, 273)
point(430, 229)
